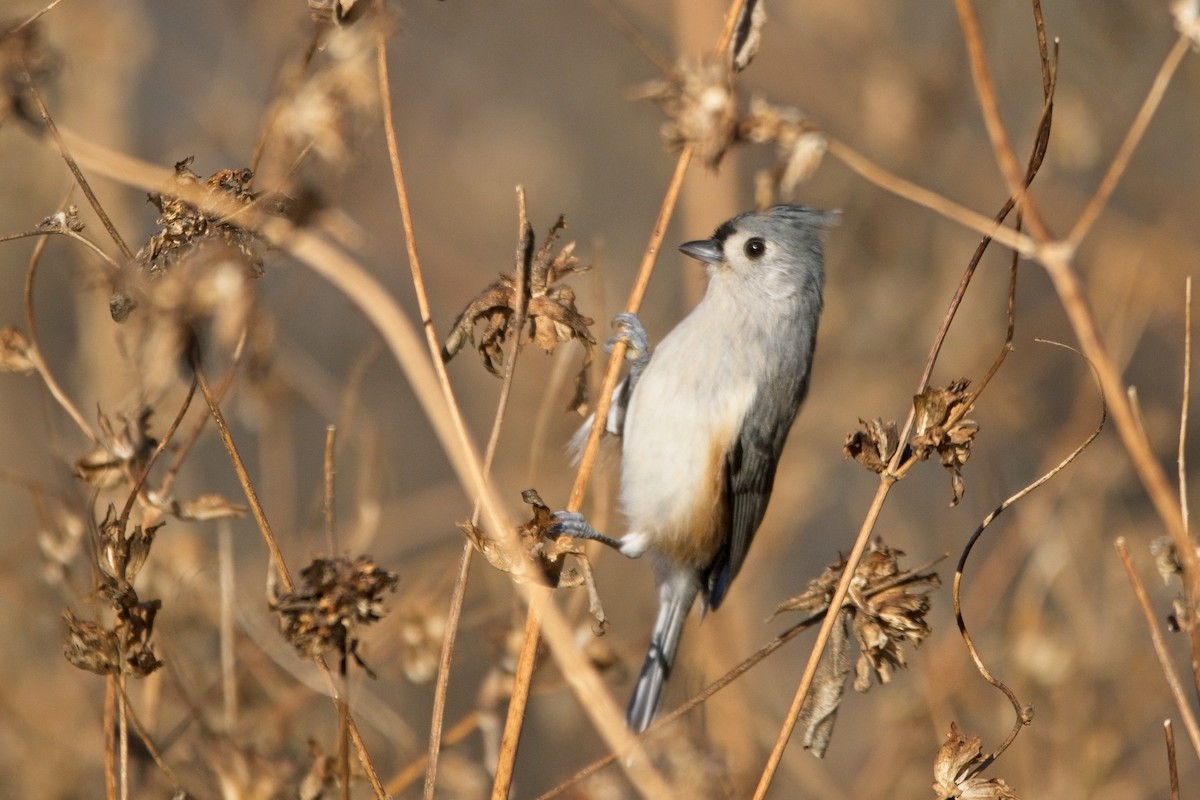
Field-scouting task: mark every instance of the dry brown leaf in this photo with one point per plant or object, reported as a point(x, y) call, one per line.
point(14, 352)
point(874, 445)
point(551, 317)
point(954, 768)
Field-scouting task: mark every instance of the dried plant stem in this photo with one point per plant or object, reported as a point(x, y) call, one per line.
point(74, 167)
point(154, 456)
point(35, 17)
point(1022, 716)
point(1022, 243)
point(243, 477)
point(407, 776)
point(330, 444)
point(35, 351)
point(1182, 704)
point(280, 565)
point(886, 482)
point(1181, 459)
point(148, 741)
point(1087, 218)
point(436, 396)
point(227, 623)
point(692, 702)
point(1172, 765)
point(110, 737)
point(454, 615)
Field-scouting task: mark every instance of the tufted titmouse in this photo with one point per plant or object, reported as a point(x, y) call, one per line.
point(704, 421)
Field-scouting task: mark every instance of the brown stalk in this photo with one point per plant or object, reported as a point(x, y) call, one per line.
point(35, 351)
point(74, 167)
point(36, 16)
point(280, 565)
point(436, 396)
point(154, 456)
point(1182, 704)
point(993, 232)
point(1172, 765)
point(330, 442)
point(1023, 716)
point(454, 615)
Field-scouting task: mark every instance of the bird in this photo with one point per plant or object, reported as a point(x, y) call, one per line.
point(703, 419)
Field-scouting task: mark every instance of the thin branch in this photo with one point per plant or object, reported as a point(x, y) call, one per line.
point(1172, 765)
point(886, 482)
point(35, 17)
point(521, 267)
point(1023, 715)
point(985, 90)
point(154, 456)
point(1184, 402)
point(1160, 646)
point(280, 565)
point(1091, 212)
point(35, 350)
point(74, 167)
point(329, 472)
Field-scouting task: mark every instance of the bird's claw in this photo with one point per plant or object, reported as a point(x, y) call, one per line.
point(576, 526)
point(632, 334)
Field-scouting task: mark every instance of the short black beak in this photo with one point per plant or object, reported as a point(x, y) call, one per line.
point(706, 250)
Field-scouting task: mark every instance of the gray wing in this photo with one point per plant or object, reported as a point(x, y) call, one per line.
point(750, 476)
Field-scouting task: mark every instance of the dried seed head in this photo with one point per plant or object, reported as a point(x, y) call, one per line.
point(551, 317)
point(1187, 19)
point(958, 759)
point(701, 107)
point(874, 445)
point(942, 427)
point(183, 228)
point(124, 648)
point(121, 453)
point(886, 608)
point(337, 596)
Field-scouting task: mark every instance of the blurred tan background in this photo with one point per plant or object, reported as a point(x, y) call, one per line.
point(491, 95)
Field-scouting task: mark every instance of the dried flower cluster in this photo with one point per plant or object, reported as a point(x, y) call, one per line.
point(954, 771)
point(550, 318)
point(125, 647)
point(540, 558)
point(884, 608)
point(121, 453)
point(184, 227)
point(338, 596)
point(799, 147)
point(940, 427)
point(700, 103)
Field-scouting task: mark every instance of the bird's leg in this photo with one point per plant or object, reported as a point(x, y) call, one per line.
point(575, 525)
point(631, 332)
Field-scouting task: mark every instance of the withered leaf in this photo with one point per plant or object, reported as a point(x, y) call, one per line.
point(954, 771)
point(820, 708)
point(208, 507)
point(874, 445)
point(14, 352)
point(941, 427)
point(541, 552)
point(747, 35)
point(884, 608)
point(551, 317)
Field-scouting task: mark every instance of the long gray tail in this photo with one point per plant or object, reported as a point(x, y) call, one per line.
point(675, 598)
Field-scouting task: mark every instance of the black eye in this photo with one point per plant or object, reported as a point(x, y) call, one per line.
point(754, 248)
